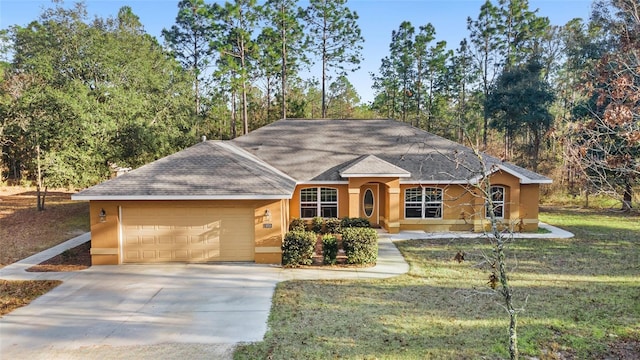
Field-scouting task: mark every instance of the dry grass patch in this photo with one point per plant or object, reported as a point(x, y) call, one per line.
point(25, 231)
point(581, 299)
point(74, 259)
point(15, 294)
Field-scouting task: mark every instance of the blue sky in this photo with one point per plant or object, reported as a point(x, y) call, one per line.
point(378, 18)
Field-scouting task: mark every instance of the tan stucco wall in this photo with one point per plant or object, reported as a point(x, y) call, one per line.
point(390, 198)
point(343, 199)
point(521, 205)
point(462, 210)
point(529, 206)
point(269, 238)
point(105, 236)
point(458, 210)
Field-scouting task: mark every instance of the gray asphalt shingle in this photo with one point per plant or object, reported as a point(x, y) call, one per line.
point(209, 169)
point(268, 162)
point(371, 165)
point(317, 150)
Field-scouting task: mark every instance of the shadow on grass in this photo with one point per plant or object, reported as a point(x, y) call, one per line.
point(406, 319)
point(581, 299)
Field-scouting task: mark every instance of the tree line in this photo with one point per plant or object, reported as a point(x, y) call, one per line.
point(562, 100)
point(79, 96)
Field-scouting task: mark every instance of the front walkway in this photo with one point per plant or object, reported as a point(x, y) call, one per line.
point(553, 233)
point(390, 261)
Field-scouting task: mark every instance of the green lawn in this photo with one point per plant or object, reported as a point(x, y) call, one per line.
point(581, 299)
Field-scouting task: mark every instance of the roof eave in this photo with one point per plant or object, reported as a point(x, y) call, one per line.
point(375, 175)
point(436, 182)
point(523, 179)
point(529, 181)
point(81, 197)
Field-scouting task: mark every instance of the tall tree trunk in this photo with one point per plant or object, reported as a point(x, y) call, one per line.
point(485, 83)
point(507, 144)
point(233, 115)
point(195, 73)
point(324, 92)
point(628, 194)
point(283, 76)
point(324, 69)
point(245, 114)
point(535, 150)
point(40, 195)
point(268, 102)
point(463, 105)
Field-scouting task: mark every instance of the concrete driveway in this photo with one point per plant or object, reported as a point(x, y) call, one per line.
point(143, 305)
point(156, 311)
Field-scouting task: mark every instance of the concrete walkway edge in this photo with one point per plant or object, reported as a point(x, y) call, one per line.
point(390, 261)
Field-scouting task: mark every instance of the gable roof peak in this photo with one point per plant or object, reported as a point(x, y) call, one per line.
point(372, 166)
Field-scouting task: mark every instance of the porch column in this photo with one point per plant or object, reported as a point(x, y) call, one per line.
point(393, 217)
point(354, 201)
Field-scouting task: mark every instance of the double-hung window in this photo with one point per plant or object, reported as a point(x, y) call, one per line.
point(423, 203)
point(319, 201)
point(496, 194)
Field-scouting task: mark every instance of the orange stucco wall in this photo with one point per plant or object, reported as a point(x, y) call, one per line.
point(463, 208)
point(521, 204)
point(343, 196)
point(105, 242)
point(458, 210)
point(104, 235)
point(461, 211)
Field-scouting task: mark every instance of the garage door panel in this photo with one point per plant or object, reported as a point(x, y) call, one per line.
point(187, 235)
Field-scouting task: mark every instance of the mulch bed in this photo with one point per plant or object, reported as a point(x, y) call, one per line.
point(74, 259)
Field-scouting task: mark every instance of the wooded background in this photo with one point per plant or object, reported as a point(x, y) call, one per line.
point(82, 96)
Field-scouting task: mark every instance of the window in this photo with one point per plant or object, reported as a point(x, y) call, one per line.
point(423, 203)
point(496, 194)
point(321, 202)
point(367, 203)
point(432, 203)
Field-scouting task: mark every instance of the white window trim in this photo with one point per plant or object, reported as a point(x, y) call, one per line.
point(496, 203)
point(318, 201)
point(423, 203)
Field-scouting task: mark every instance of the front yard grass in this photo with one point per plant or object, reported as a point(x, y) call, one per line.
point(581, 298)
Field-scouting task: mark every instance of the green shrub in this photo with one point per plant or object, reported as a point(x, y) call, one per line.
point(360, 245)
point(298, 248)
point(329, 249)
point(348, 222)
point(317, 223)
point(332, 225)
point(297, 224)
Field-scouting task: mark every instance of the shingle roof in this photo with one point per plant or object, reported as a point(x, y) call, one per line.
point(318, 150)
point(207, 170)
point(268, 162)
point(372, 166)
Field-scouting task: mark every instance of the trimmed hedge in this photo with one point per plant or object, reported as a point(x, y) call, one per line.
point(298, 248)
point(332, 225)
point(297, 225)
point(329, 249)
point(348, 222)
point(360, 245)
point(317, 223)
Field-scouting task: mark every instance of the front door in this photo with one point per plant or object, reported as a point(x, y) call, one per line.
point(369, 204)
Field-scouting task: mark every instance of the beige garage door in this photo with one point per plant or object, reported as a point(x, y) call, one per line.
point(187, 234)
